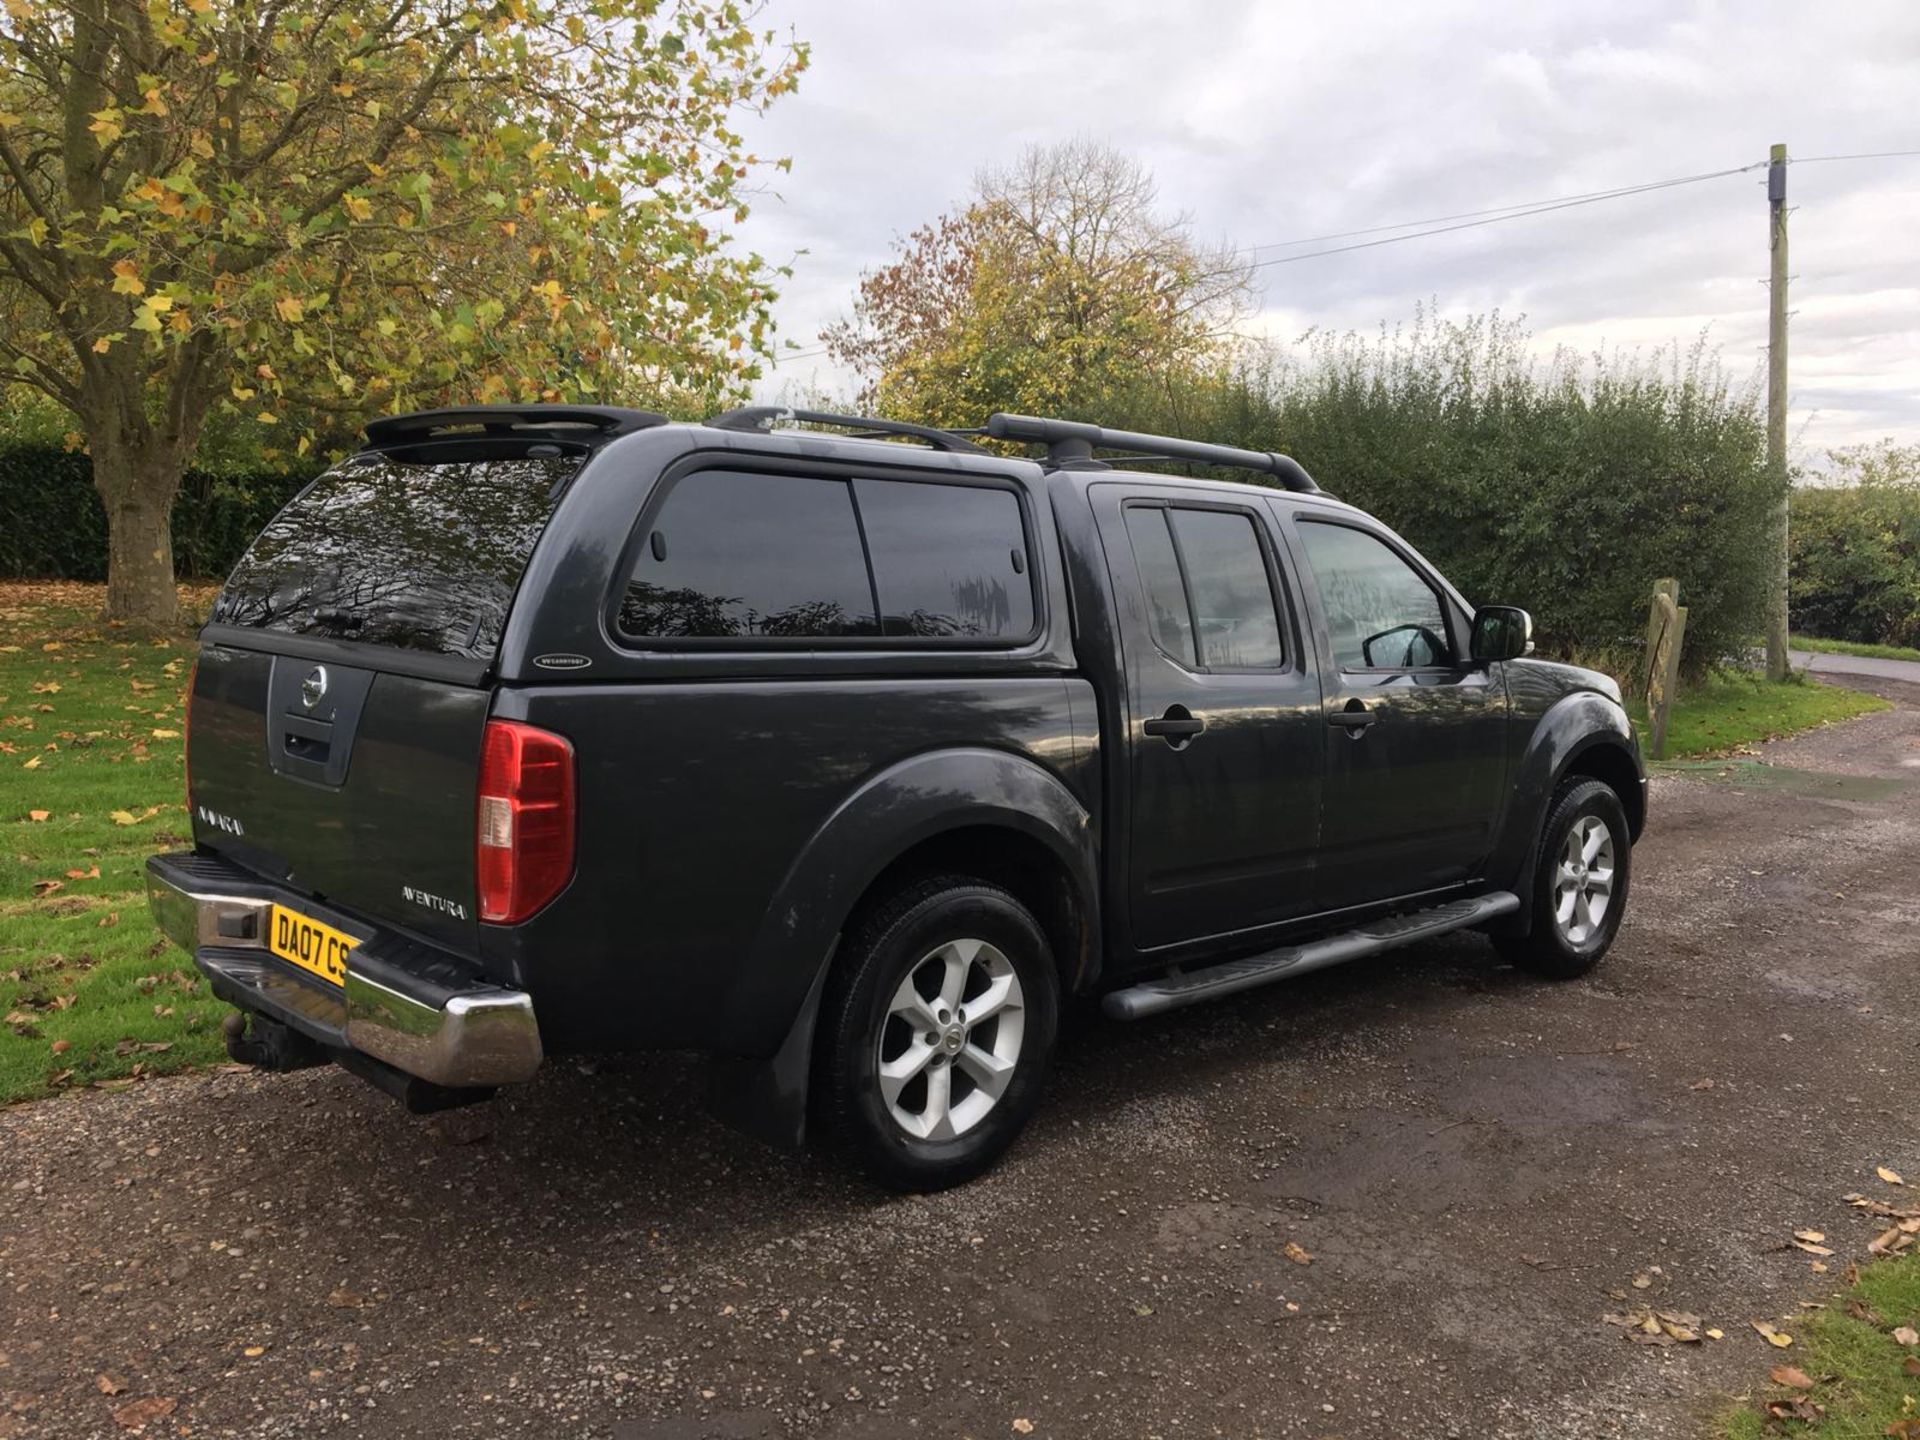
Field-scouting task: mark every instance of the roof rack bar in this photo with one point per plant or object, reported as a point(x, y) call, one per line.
point(1071, 442)
point(766, 417)
point(525, 421)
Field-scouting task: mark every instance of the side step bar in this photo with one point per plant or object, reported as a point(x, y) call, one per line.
point(1170, 992)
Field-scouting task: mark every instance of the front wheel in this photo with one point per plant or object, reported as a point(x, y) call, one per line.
point(1579, 884)
point(936, 1032)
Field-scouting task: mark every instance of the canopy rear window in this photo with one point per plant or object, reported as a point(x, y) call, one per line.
point(421, 557)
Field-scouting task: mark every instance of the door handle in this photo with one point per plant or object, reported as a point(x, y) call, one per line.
point(1354, 719)
point(1176, 727)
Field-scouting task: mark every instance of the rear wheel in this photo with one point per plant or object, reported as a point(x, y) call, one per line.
point(936, 1033)
point(1579, 884)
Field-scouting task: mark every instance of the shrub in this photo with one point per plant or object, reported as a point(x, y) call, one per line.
point(1856, 549)
point(56, 527)
point(1567, 487)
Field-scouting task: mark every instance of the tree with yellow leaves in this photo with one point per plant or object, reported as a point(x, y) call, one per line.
point(1059, 286)
point(347, 207)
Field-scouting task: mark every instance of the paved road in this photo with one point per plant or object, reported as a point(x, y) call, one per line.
point(1472, 1159)
point(1822, 663)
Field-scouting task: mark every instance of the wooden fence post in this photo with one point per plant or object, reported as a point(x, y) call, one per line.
point(1666, 629)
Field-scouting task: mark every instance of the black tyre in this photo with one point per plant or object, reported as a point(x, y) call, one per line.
point(935, 1033)
point(1579, 884)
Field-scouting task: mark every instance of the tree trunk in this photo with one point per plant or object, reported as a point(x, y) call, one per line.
point(138, 492)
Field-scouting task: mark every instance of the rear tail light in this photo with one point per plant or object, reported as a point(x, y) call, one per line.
point(523, 835)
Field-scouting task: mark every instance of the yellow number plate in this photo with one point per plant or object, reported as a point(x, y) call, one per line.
point(318, 949)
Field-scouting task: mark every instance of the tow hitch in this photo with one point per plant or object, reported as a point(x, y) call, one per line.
point(256, 1040)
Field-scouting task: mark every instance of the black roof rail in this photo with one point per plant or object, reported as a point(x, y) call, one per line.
point(1071, 443)
point(529, 422)
point(866, 427)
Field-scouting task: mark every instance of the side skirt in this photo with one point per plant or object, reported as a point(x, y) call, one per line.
point(1170, 992)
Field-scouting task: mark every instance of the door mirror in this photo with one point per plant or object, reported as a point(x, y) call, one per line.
point(1501, 632)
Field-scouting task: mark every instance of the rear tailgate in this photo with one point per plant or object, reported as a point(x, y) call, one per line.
point(365, 800)
point(343, 689)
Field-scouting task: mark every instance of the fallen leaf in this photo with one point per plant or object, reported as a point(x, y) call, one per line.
point(254, 1352)
point(1903, 1430)
point(1713, 1334)
point(93, 874)
point(123, 817)
point(1892, 1177)
point(44, 888)
point(1777, 1338)
point(60, 1047)
point(109, 1384)
point(1906, 1335)
point(166, 734)
point(1811, 1236)
point(1797, 1408)
point(1911, 1365)
point(1791, 1376)
point(1811, 1248)
point(36, 816)
point(138, 1414)
point(1023, 1426)
point(1294, 1253)
point(1642, 1280)
point(343, 1299)
point(1701, 1085)
point(33, 764)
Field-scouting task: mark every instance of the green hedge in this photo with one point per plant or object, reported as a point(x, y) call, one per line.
point(56, 527)
point(1566, 487)
point(1856, 563)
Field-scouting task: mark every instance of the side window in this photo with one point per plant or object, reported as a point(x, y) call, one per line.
point(730, 554)
point(1209, 599)
point(1167, 609)
point(948, 560)
point(1381, 613)
point(1233, 610)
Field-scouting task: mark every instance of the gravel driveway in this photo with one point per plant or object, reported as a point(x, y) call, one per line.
point(1472, 1160)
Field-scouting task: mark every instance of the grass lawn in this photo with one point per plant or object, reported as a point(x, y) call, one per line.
point(1731, 710)
point(1866, 1383)
point(1850, 647)
point(90, 748)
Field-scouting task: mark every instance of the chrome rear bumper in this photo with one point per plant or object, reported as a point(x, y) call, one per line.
point(465, 1036)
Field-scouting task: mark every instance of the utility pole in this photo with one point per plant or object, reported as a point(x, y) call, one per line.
point(1777, 663)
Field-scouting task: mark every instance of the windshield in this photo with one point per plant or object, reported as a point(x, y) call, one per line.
point(417, 556)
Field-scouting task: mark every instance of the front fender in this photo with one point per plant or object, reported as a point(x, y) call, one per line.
point(1570, 727)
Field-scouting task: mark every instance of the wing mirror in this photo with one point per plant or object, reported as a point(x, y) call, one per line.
point(1501, 632)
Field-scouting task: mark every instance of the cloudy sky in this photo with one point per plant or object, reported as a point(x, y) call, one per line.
point(1268, 122)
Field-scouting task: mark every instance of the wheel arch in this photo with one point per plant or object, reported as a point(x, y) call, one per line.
point(1585, 733)
point(991, 814)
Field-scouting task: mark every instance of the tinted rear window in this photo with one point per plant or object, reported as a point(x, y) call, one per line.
point(947, 559)
point(775, 556)
point(759, 556)
point(422, 557)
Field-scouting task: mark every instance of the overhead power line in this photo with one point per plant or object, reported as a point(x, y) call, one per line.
point(1473, 220)
point(1863, 155)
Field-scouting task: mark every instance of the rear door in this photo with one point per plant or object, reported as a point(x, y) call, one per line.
point(1222, 742)
point(1414, 735)
point(342, 690)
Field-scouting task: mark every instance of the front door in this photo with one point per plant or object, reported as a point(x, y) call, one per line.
point(1223, 726)
point(1414, 736)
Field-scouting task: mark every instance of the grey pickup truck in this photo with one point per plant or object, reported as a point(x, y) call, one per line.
point(846, 751)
